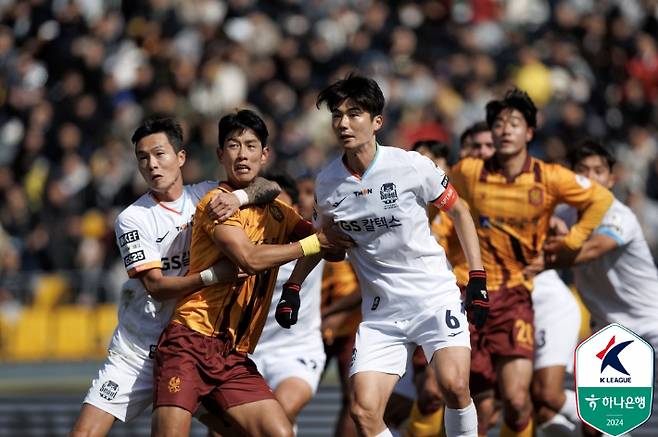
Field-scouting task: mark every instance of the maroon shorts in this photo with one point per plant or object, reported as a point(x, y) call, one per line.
point(508, 332)
point(191, 367)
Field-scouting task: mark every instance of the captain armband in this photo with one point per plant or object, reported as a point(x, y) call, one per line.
point(447, 199)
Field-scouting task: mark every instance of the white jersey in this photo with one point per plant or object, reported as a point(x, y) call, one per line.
point(401, 267)
point(307, 329)
point(622, 285)
point(152, 234)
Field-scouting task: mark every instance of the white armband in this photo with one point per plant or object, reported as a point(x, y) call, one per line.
point(208, 277)
point(242, 196)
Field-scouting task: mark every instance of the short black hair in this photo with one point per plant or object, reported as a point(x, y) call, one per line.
point(240, 121)
point(479, 127)
point(159, 124)
point(589, 147)
point(514, 99)
point(467, 133)
point(286, 183)
point(438, 148)
point(363, 90)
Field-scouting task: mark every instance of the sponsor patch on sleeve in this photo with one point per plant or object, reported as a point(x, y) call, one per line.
point(128, 237)
point(132, 258)
point(445, 181)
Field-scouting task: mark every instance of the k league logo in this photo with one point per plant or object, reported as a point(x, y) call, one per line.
point(614, 372)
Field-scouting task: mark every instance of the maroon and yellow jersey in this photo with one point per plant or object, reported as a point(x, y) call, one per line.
point(238, 309)
point(512, 216)
point(338, 281)
point(443, 229)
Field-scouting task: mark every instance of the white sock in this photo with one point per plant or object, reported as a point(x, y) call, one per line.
point(462, 422)
point(568, 409)
point(385, 433)
point(559, 426)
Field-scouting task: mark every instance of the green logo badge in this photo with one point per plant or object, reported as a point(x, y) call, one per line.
point(614, 371)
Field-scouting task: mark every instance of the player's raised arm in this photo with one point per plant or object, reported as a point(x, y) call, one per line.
point(590, 198)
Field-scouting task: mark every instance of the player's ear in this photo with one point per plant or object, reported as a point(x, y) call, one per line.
point(182, 157)
point(377, 122)
point(529, 133)
point(265, 154)
point(220, 152)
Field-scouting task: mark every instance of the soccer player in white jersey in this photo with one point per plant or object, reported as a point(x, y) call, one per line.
point(153, 235)
point(292, 360)
point(378, 195)
point(614, 270)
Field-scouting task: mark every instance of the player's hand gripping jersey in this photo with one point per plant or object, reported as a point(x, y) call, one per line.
point(152, 234)
point(238, 309)
point(401, 267)
point(512, 216)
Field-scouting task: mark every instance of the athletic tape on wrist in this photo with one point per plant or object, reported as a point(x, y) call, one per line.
point(208, 277)
point(310, 245)
point(242, 196)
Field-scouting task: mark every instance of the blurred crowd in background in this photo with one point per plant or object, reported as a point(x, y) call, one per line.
point(77, 76)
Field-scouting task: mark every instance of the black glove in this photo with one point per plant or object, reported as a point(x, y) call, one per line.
point(477, 299)
point(288, 307)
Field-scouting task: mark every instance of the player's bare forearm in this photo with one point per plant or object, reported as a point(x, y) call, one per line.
point(163, 288)
point(467, 234)
point(253, 258)
point(597, 246)
point(262, 190)
point(303, 268)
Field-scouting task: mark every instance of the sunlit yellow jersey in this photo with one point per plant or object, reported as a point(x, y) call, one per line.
point(443, 229)
point(239, 309)
point(338, 281)
point(512, 215)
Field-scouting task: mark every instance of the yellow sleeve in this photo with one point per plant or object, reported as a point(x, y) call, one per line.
point(458, 178)
point(463, 176)
point(588, 197)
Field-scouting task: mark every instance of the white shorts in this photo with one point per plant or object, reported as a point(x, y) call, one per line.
point(123, 388)
point(385, 346)
point(405, 386)
point(557, 321)
point(280, 364)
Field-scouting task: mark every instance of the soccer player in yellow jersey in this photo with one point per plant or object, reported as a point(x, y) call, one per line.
point(202, 354)
point(512, 197)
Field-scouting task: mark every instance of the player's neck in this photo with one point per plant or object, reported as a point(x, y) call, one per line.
point(359, 159)
point(172, 193)
point(512, 165)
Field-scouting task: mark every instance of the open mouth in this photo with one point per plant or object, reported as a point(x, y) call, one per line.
point(242, 169)
point(156, 177)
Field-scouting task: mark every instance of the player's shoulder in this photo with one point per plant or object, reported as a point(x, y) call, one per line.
point(468, 166)
point(199, 190)
point(212, 192)
point(280, 209)
point(137, 210)
point(621, 212)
